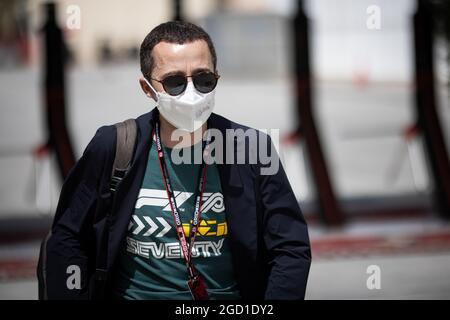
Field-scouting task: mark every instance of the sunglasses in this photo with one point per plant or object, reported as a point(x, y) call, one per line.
point(204, 82)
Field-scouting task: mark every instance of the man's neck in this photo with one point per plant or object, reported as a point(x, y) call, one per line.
point(186, 139)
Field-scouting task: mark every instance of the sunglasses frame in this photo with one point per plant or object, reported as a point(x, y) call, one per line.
point(186, 83)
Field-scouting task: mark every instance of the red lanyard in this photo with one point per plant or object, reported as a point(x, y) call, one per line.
point(187, 251)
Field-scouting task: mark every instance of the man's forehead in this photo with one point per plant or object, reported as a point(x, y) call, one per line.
point(176, 47)
point(193, 54)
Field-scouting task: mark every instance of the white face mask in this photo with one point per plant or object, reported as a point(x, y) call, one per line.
point(187, 111)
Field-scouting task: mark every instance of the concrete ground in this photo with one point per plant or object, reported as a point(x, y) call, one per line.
point(425, 276)
point(412, 259)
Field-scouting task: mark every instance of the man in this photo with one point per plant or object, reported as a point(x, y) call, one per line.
point(205, 229)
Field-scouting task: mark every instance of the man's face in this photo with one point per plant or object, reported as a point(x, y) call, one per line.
point(171, 58)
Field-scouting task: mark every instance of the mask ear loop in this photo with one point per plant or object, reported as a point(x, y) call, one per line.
point(151, 87)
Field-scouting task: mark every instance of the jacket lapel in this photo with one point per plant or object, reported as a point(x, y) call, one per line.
point(229, 174)
point(234, 193)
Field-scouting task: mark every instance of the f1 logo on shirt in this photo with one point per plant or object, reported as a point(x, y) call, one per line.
point(158, 198)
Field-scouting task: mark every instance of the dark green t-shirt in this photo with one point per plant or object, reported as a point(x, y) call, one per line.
point(150, 264)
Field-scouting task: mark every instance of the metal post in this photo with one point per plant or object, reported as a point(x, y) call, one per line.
point(54, 92)
point(426, 109)
point(329, 208)
point(178, 10)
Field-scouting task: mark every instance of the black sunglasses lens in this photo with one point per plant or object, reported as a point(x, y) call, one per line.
point(174, 85)
point(205, 82)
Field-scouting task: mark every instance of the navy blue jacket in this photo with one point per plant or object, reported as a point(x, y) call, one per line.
point(268, 234)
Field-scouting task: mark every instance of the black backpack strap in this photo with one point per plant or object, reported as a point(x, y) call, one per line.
point(126, 140)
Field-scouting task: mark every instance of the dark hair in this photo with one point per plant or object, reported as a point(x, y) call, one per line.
point(179, 32)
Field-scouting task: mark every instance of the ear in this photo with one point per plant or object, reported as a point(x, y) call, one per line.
point(146, 88)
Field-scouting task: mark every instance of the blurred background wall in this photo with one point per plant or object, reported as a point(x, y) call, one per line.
point(363, 89)
point(363, 102)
